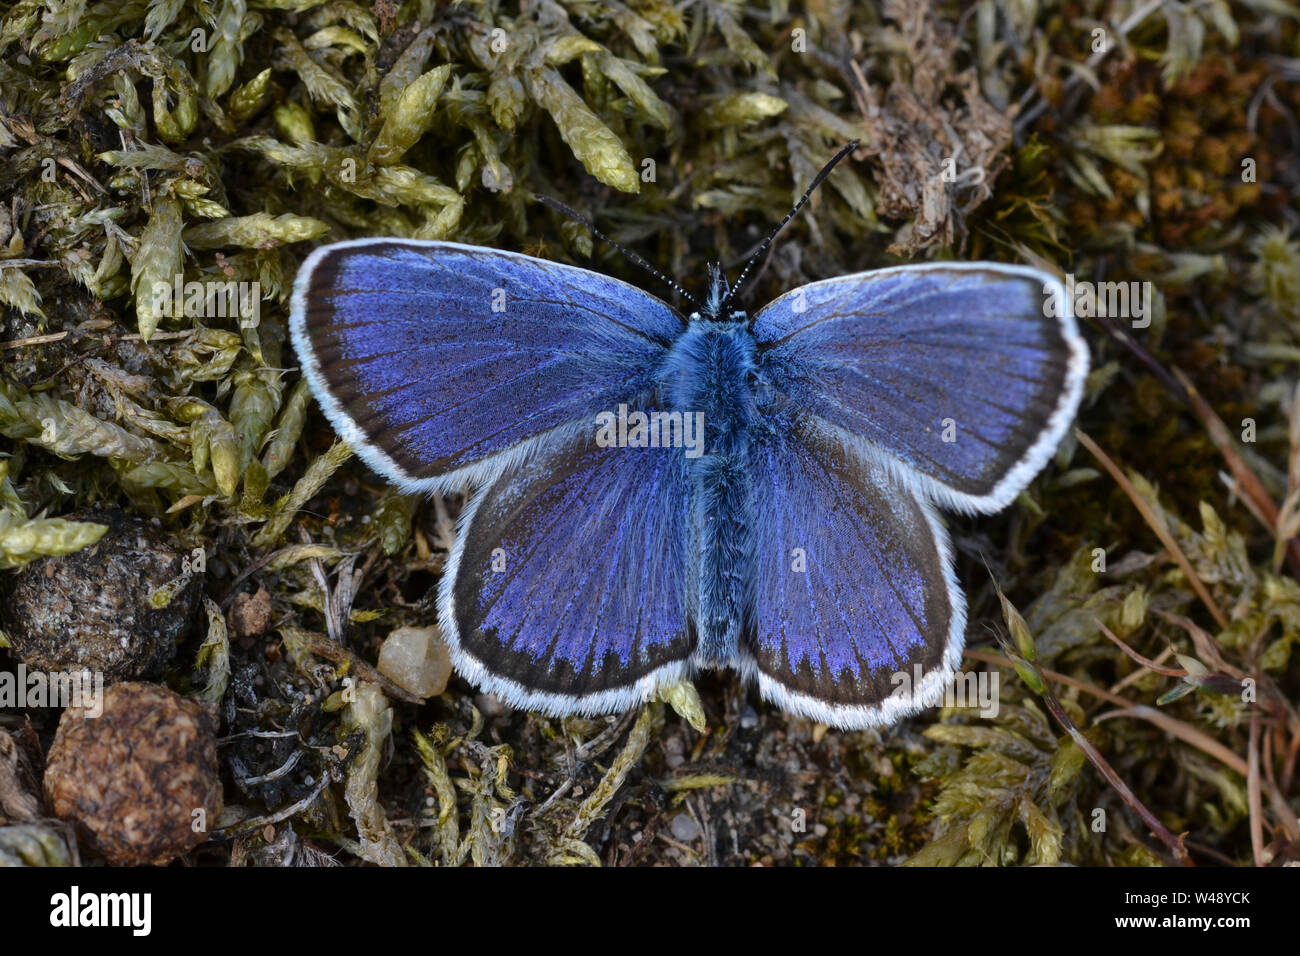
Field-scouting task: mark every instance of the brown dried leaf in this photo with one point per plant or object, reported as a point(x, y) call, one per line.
point(938, 154)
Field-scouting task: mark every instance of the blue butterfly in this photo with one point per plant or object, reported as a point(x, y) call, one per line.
point(654, 494)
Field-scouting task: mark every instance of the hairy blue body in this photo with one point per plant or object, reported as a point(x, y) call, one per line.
point(712, 368)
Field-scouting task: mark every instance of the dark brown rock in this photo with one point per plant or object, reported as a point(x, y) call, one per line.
point(118, 607)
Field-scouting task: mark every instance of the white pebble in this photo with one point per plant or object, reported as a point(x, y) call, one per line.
point(416, 660)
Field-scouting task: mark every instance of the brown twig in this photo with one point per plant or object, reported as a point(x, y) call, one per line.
point(1174, 843)
point(1095, 757)
point(1251, 487)
point(110, 337)
point(1205, 645)
point(1183, 731)
point(1289, 762)
point(1021, 653)
point(1169, 724)
point(33, 340)
point(1138, 674)
point(1254, 798)
point(1253, 493)
point(1156, 525)
point(1148, 664)
point(1208, 650)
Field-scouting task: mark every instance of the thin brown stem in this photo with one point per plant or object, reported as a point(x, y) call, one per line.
point(1173, 843)
point(1254, 796)
point(1157, 525)
point(110, 337)
point(1148, 664)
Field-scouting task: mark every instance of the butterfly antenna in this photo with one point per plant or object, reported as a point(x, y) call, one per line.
point(758, 253)
point(579, 217)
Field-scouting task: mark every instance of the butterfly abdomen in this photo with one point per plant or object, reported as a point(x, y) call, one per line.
point(724, 534)
point(711, 370)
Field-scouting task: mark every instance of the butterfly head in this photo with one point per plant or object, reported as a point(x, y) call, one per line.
point(716, 305)
point(719, 289)
point(716, 300)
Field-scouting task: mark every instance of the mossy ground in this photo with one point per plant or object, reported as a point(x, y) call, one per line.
point(223, 139)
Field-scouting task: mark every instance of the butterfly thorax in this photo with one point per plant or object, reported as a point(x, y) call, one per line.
point(711, 369)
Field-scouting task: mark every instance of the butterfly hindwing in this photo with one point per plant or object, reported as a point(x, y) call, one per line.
point(855, 583)
point(964, 374)
point(439, 362)
point(566, 589)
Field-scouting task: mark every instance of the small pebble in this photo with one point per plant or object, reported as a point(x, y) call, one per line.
point(684, 828)
point(250, 614)
point(490, 706)
point(417, 660)
point(674, 751)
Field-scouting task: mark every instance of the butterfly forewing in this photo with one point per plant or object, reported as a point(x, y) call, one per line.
point(965, 374)
point(437, 361)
